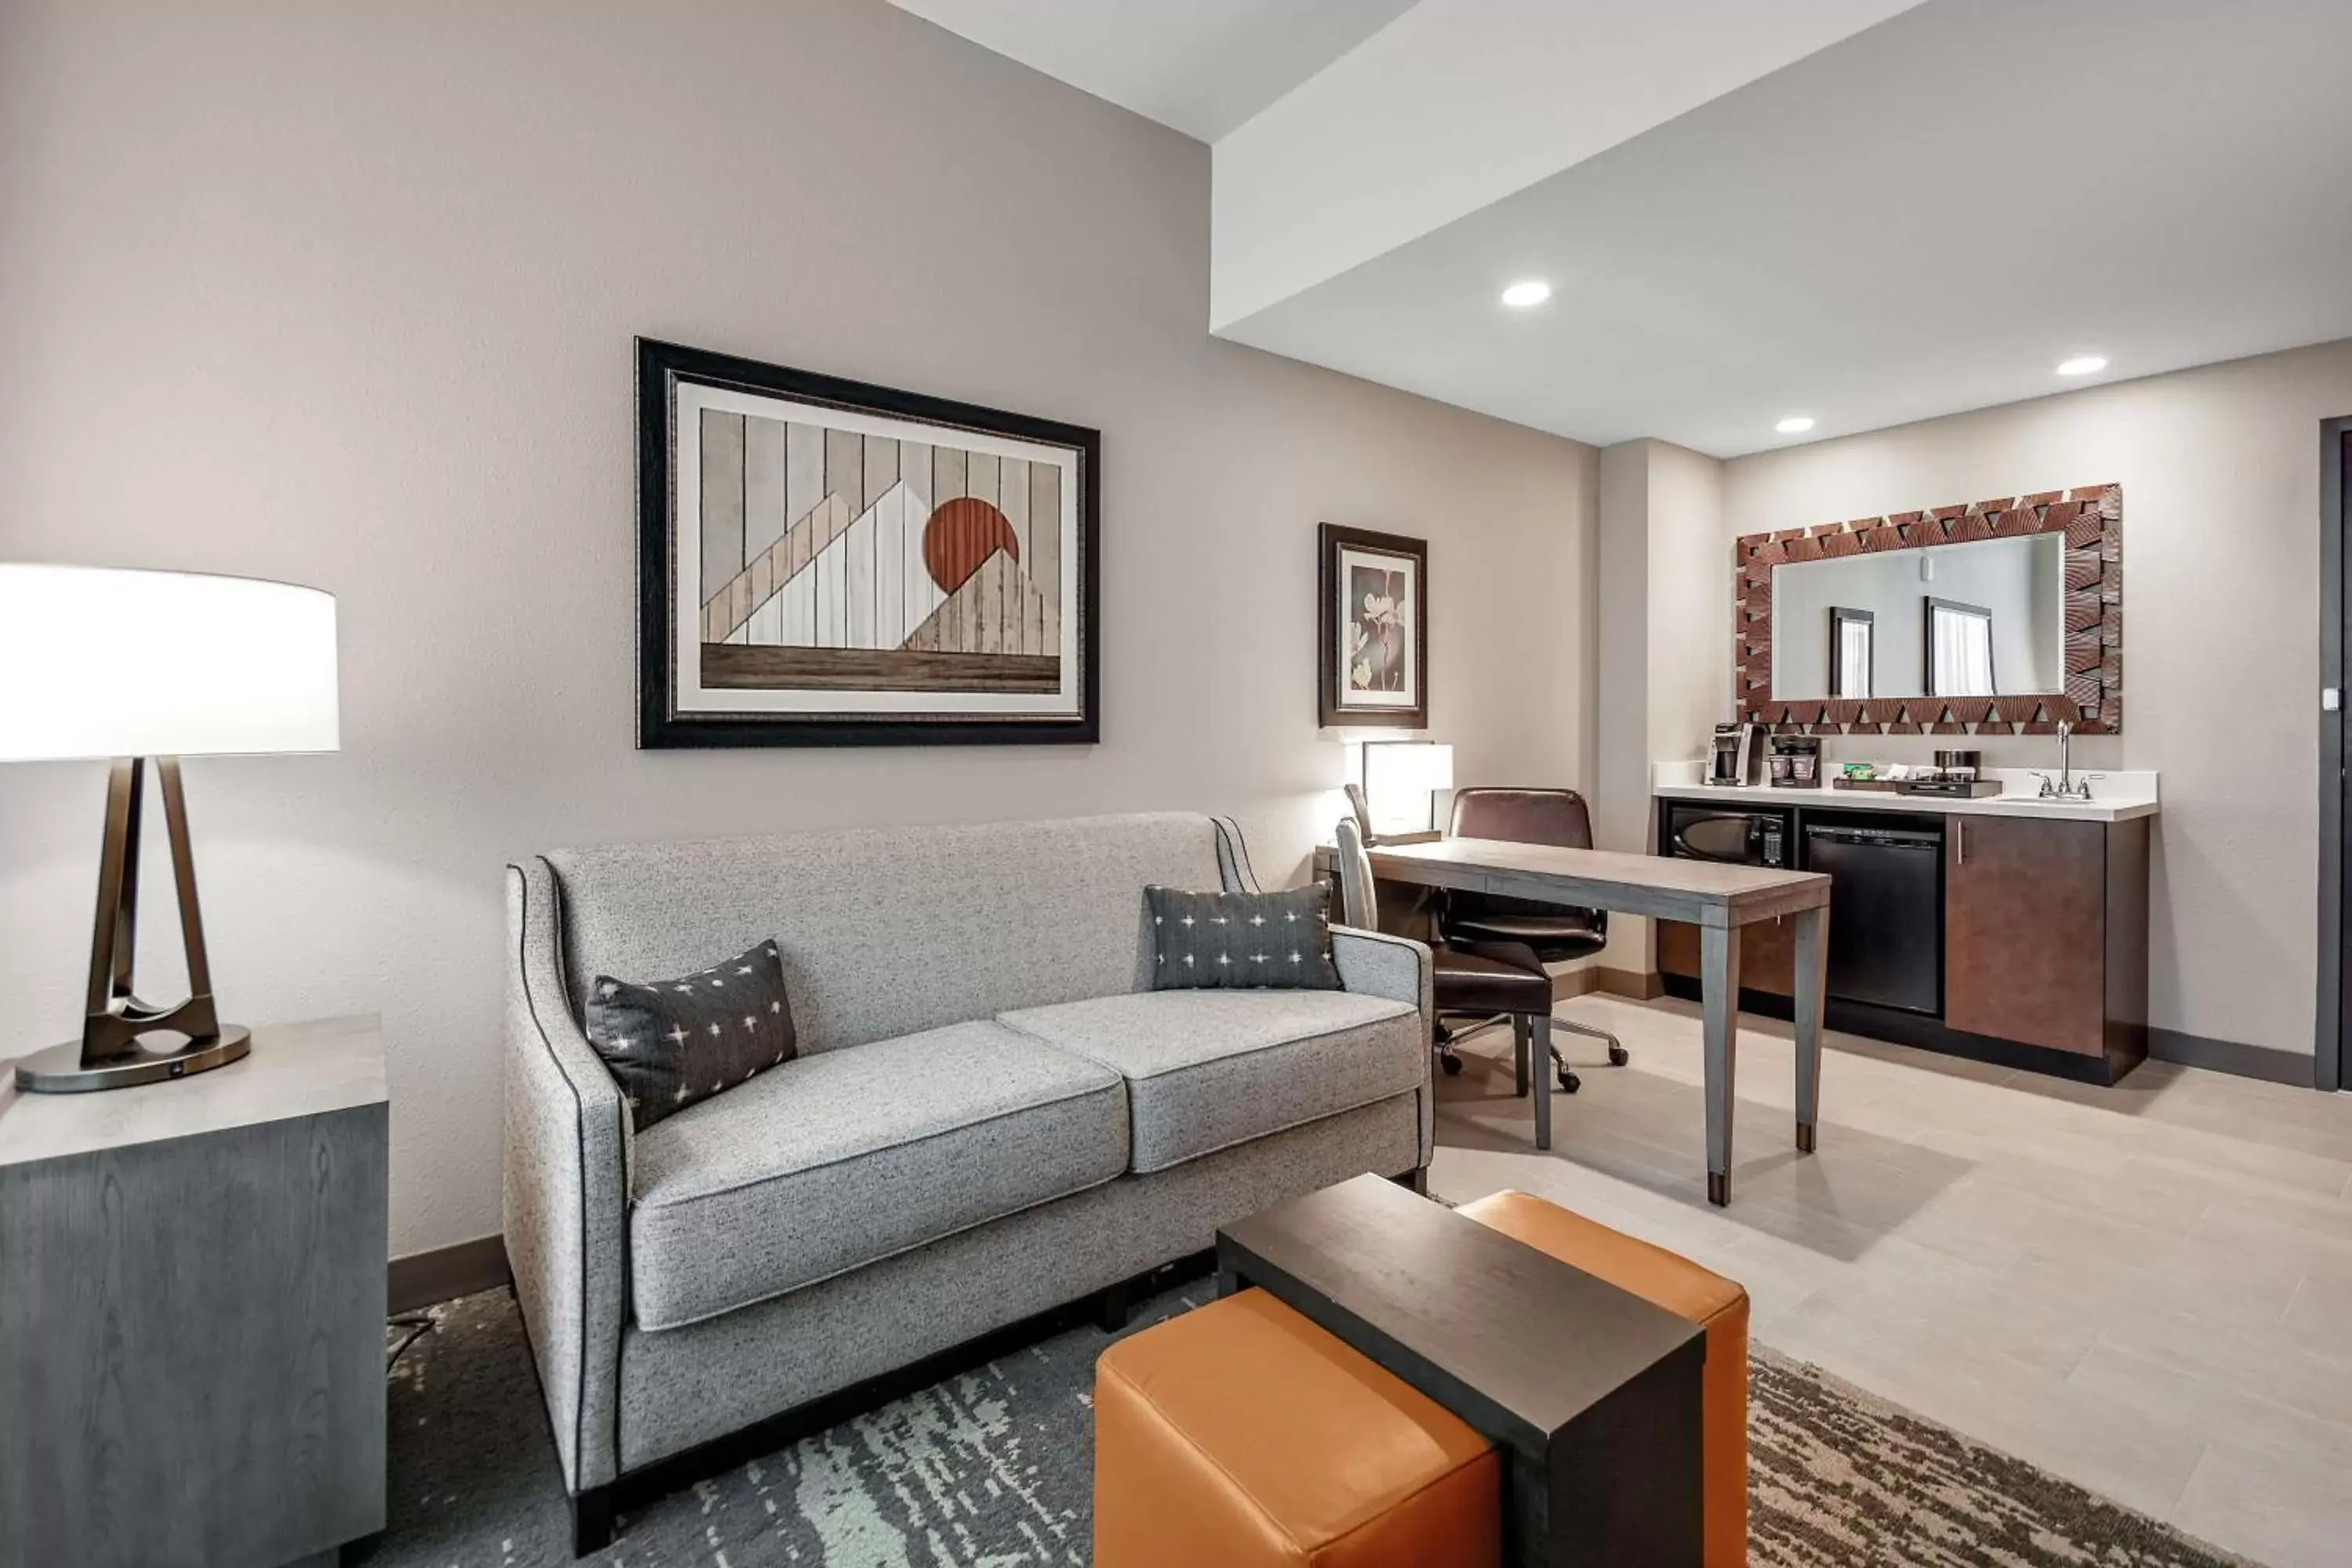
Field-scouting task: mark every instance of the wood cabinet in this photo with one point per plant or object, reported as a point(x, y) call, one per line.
point(2045, 932)
point(2024, 901)
point(1768, 949)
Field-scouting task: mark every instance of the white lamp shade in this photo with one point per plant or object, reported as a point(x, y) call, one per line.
point(97, 662)
point(1407, 767)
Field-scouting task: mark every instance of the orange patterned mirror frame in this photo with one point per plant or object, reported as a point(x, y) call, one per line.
point(2092, 520)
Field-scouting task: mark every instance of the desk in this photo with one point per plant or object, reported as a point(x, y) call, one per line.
point(1718, 898)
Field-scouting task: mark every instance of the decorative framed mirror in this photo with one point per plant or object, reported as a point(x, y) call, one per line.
point(2002, 617)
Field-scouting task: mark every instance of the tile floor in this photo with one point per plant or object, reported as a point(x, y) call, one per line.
point(2145, 1289)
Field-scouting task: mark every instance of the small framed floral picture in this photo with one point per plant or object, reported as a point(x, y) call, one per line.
point(1374, 664)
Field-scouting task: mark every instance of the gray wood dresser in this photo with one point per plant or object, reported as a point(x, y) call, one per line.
point(192, 1304)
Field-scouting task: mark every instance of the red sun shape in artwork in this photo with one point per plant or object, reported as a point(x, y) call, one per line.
point(962, 535)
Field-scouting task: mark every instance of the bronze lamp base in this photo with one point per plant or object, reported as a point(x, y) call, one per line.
point(109, 1054)
point(66, 1069)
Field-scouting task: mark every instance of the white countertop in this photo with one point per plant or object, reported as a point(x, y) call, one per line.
point(2115, 796)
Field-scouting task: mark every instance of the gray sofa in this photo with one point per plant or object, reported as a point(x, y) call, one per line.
point(992, 1118)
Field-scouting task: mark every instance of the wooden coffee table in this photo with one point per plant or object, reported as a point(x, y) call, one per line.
point(1591, 1392)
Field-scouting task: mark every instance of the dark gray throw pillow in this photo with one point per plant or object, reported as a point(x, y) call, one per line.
point(1209, 942)
point(670, 1043)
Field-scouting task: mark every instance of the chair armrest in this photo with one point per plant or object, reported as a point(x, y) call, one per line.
point(566, 1184)
point(1374, 963)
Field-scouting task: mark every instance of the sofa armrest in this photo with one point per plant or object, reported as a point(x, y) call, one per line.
point(1377, 964)
point(566, 1184)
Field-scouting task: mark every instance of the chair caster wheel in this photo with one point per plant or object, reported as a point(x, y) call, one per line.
point(1450, 1063)
point(1569, 1082)
point(1619, 1056)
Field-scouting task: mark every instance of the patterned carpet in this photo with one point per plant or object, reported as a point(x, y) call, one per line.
point(992, 1469)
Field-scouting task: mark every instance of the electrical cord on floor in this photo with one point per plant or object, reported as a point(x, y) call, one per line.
point(418, 1324)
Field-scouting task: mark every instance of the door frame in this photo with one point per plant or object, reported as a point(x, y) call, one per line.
point(2332, 1053)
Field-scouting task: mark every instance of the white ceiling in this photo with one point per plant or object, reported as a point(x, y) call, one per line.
point(1201, 66)
point(1923, 216)
point(1459, 103)
point(1924, 219)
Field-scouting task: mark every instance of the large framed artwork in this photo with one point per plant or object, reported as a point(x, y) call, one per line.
point(822, 563)
point(1372, 629)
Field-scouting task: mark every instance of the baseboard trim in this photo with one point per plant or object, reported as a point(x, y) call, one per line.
point(2267, 1063)
point(428, 1279)
point(1636, 984)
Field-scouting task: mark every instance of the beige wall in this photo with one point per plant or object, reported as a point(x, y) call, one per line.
point(344, 295)
point(1665, 640)
point(2221, 476)
point(1690, 608)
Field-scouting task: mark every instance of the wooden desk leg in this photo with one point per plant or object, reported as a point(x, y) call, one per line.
point(1813, 955)
point(1718, 963)
point(1539, 1060)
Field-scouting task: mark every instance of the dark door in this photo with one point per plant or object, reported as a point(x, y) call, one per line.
point(2333, 1067)
point(2025, 930)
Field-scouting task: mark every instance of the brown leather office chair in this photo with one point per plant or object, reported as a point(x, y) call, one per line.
point(1490, 979)
point(1554, 933)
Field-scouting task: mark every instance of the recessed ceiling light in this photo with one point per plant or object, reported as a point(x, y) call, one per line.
point(1527, 294)
point(1795, 425)
point(2082, 364)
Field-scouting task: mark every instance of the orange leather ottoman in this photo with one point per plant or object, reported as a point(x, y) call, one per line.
point(1674, 1282)
point(1241, 1435)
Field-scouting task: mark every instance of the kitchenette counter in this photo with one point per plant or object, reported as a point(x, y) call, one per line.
point(2115, 796)
point(2007, 928)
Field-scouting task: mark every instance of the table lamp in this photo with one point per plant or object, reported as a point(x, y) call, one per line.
point(154, 666)
point(1401, 779)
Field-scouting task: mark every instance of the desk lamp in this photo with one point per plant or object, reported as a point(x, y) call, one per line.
point(1398, 801)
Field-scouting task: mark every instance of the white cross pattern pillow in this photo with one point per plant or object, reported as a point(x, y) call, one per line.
point(1242, 942)
point(670, 1043)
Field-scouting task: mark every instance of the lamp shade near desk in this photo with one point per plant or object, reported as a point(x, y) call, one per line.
point(1401, 779)
point(140, 665)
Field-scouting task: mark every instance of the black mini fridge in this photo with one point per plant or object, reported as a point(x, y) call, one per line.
point(1886, 912)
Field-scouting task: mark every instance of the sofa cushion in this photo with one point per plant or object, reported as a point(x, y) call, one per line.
point(1208, 1070)
point(828, 1163)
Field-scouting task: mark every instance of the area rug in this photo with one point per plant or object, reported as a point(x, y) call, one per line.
point(992, 1469)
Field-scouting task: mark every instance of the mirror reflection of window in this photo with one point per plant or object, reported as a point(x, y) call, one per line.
point(1851, 652)
point(1960, 649)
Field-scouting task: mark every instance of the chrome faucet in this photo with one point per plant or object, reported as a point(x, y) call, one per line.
point(2068, 787)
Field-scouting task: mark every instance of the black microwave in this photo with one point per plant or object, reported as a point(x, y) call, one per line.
point(1695, 832)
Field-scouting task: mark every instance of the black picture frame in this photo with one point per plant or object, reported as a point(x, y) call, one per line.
point(1331, 710)
point(660, 367)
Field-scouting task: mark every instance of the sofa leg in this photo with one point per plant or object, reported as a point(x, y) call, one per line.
point(591, 1521)
point(1414, 1181)
point(1113, 1308)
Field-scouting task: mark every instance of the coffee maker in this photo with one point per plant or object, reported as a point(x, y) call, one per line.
point(1736, 756)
